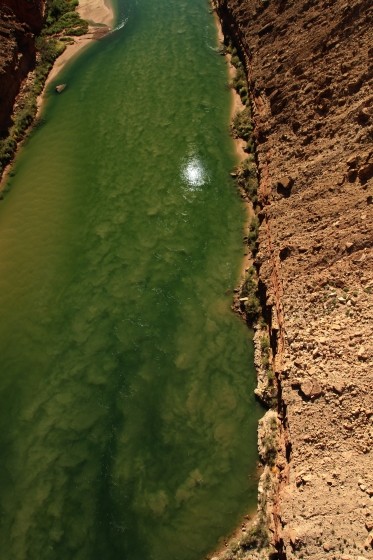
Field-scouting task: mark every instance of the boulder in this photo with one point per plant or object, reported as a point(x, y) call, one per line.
point(366, 172)
point(311, 388)
point(60, 88)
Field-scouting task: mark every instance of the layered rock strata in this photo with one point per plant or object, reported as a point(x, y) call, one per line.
point(309, 67)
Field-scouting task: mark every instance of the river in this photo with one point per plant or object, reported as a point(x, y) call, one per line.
point(127, 416)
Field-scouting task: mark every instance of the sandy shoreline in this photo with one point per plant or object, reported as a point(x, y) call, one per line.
point(236, 107)
point(100, 16)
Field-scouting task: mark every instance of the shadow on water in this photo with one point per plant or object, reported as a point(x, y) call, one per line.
point(127, 419)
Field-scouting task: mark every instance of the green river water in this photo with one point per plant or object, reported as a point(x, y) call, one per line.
point(127, 417)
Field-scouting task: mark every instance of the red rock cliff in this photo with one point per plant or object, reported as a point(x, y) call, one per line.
point(20, 21)
point(309, 67)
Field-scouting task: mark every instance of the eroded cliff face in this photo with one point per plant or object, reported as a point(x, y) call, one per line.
point(309, 67)
point(20, 21)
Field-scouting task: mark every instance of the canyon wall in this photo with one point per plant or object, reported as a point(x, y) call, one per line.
point(309, 68)
point(20, 21)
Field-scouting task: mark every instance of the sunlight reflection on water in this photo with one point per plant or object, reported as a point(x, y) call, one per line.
point(194, 173)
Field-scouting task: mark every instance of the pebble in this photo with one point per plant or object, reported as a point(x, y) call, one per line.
point(338, 387)
point(361, 353)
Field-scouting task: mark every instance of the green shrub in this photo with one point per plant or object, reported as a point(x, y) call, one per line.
point(235, 61)
point(247, 180)
point(252, 236)
point(250, 147)
point(249, 285)
point(270, 377)
point(239, 82)
point(264, 343)
point(249, 291)
point(257, 537)
point(7, 149)
point(266, 361)
point(241, 124)
point(57, 8)
point(23, 119)
point(270, 443)
point(48, 49)
point(62, 19)
point(266, 365)
point(252, 308)
point(70, 23)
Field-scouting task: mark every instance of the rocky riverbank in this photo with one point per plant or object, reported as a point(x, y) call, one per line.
point(20, 22)
point(310, 80)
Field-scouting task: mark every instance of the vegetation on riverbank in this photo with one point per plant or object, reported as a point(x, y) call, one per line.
point(61, 23)
point(247, 182)
point(253, 540)
point(250, 304)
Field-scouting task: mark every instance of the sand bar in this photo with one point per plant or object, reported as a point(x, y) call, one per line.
point(100, 17)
